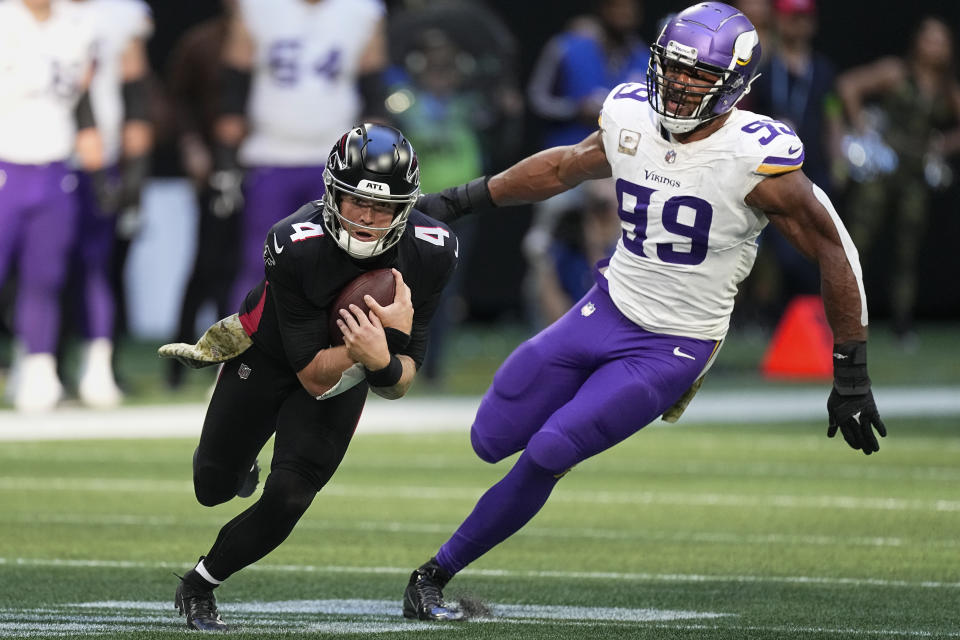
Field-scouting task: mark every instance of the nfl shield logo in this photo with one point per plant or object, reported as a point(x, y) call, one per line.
point(587, 309)
point(244, 371)
point(671, 156)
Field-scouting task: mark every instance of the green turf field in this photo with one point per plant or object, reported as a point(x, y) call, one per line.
point(726, 532)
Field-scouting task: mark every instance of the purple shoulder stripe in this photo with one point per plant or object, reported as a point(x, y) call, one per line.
point(787, 162)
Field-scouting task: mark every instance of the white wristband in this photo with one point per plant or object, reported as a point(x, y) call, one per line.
point(348, 380)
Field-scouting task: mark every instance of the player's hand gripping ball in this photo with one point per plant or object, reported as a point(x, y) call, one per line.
point(379, 284)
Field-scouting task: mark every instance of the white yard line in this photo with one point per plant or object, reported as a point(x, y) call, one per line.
point(502, 573)
point(425, 414)
point(27, 483)
point(564, 533)
point(420, 493)
point(378, 616)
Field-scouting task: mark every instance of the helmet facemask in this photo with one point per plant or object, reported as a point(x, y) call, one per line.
point(337, 224)
point(665, 92)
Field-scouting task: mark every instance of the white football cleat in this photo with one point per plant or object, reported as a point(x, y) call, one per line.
point(38, 388)
point(98, 388)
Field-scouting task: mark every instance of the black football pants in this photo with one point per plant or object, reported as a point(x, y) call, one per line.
point(255, 397)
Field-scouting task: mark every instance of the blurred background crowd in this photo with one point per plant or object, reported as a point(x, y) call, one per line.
point(214, 119)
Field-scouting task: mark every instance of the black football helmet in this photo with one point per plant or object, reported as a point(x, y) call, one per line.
point(373, 162)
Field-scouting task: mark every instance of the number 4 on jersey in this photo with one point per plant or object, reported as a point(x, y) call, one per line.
point(433, 235)
point(437, 236)
point(305, 230)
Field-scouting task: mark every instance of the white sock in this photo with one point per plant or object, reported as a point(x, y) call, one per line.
point(202, 570)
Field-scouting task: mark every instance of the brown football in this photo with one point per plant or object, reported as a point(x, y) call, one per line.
point(378, 283)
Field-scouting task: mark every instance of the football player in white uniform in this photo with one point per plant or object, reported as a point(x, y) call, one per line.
point(294, 74)
point(46, 59)
point(110, 197)
point(696, 181)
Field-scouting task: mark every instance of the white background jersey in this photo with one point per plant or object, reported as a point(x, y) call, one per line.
point(304, 92)
point(118, 22)
point(688, 238)
point(42, 67)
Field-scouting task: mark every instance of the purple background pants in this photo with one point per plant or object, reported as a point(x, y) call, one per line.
point(271, 194)
point(93, 258)
point(38, 213)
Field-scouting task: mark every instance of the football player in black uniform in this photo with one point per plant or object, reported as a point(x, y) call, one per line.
point(289, 380)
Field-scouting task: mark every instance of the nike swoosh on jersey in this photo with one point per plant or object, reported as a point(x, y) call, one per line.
point(277, 247)
point(681, 354)
point(792, 151)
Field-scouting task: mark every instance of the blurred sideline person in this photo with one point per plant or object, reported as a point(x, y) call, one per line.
point(193, 81)
point(578, 67)
point(561, 271)
point(453, 90)
point(796, 86)
point(310, 69)
point(284, 377)
point(916, 98)
point(46, 61)
point(573, 74)
point(110, 197)
point(696, 181)
point(442, 115)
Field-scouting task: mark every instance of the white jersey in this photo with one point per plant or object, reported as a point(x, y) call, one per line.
point(304, 94)
point(43, 66)
point(118, 22)
point(688, 237)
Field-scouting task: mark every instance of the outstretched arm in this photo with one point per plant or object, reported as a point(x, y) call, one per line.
point(535, 178)
point(549, 172)
point(803, 213)
point(810, 223)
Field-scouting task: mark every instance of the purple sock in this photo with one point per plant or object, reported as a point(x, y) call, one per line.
point(500, 512)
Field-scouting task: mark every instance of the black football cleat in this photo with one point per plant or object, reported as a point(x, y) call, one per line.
point(423, 598)
point(200, 607)
point(250, 481)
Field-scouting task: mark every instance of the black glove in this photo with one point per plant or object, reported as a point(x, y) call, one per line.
point(108, 191)
point(226, 193)
point(133, 175)
point(226, 182)
point(456, 202)
point(851, 407)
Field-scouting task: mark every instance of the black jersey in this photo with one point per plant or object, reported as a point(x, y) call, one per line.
point(286, 315)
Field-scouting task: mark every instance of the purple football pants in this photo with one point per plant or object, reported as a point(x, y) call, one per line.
point(38, 214)
point(270, 194)
point(93, 256)
point(580, 386)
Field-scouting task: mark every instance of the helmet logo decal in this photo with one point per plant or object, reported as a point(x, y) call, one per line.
point(378, 188)
point(413, 173)
point(743, 47)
